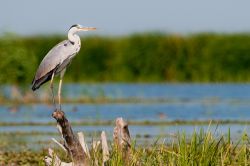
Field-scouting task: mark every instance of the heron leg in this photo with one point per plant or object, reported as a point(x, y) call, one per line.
point(59, 93)
point(60, 88)
point(52, 90)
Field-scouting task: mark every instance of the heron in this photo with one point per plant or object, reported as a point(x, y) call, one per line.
point(58, 59)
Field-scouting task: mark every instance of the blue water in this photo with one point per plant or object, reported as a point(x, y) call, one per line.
point(161, 91)
point(131, 111)
point(153, 102)
point(138, 102)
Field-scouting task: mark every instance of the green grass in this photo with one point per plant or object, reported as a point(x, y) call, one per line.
point(202, 148)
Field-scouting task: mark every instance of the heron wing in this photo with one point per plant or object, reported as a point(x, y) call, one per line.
point(59, 55)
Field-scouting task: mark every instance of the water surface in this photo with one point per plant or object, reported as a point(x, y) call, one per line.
point(137, 102)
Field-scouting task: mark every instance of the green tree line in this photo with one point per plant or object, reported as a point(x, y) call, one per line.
point(149, 57)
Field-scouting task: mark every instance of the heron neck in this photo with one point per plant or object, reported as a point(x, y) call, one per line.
point(73, 38)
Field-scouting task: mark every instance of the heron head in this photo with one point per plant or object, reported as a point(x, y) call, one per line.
point(77, 28)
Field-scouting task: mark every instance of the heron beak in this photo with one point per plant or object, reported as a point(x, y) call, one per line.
point(87, 28)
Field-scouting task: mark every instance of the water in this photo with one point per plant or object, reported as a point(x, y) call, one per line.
point(138, 102)
point(131, 111)
point(142, 102)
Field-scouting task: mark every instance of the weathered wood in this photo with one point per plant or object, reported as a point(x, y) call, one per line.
point(54, 160)
point(95, 147)
point(78, 149)
point(83, 143)
point(122, 138)
point(105, 149)
point(60, 145)
point(72, 144)
point(121, 134)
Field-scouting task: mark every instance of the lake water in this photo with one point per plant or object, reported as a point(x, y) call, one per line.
point(138, 102)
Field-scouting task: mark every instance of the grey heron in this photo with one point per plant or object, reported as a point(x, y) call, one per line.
point(57, 60)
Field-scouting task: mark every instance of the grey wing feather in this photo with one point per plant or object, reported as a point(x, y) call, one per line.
point(62, 53)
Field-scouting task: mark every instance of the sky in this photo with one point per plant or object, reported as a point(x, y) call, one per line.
point(114, 17)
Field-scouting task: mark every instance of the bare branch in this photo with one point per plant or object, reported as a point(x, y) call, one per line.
point(59, 144)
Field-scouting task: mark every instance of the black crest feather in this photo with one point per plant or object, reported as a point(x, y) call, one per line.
point(75, 25)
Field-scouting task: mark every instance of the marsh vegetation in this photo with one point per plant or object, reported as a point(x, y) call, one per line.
point(149, 57)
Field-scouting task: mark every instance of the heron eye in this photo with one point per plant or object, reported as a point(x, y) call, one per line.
point(65, 44)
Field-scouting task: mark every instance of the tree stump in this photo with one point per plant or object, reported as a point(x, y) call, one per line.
point(122, 138)
point(73, 146)
point(78, 149)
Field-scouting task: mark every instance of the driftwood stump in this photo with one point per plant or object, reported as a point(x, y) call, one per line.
point(78, 149)
point(73, 146)
point(122, 138)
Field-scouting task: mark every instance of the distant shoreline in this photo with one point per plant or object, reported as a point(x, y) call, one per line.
point(145, 57)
